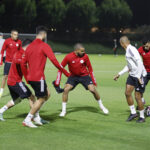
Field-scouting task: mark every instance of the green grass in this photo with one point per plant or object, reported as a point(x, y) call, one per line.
point(85, 127)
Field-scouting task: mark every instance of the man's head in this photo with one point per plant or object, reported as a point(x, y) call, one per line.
point(146, 44)
point(26, 43)
point(14, 34)
point(1, 35)
point(79, 50)
point(124, 41)
point(41, 32)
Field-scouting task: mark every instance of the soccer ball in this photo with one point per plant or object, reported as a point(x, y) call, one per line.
point(147, 111)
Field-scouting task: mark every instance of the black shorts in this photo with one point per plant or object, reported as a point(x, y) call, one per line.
point(134, 82)
point(40, 88)
point(75, 80)
point(19, 90)
point(4, 59)
point(147, 78)
point(7, 68)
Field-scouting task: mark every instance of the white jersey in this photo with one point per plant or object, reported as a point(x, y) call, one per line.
point(135, 65)
point(1, 45)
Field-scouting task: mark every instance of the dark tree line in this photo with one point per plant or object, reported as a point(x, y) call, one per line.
point(72, 15)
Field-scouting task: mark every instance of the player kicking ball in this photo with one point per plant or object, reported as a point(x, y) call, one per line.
point(18, 89)
point(135, 80)
point(81, 72)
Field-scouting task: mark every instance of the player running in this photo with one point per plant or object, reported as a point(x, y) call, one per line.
point(36, 56)
point(81, 72)
point(11, 46)
point(18, 89)
point(145, 54)
point(135, 80)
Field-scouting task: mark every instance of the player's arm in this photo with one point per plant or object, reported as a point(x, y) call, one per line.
point(2, 52)
point(123, 71)
point(89, 66)
point(59, 73)
point(48, 51)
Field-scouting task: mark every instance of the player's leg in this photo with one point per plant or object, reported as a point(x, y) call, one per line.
point(93, 90)
point(4, 79)
point(129, 98)
point(67, 88)
point(138, 97)
point(42, 95)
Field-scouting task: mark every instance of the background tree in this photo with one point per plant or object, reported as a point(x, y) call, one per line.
point(80, 15)
point(114, 14)
point(50, 13)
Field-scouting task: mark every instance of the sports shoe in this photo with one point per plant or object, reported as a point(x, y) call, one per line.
point(1, 117)
point(131, 117)
point(62, 114)
point(140, 120)
point(57, 88)
point(37, 121)
point(105, 110)
point(29, 124)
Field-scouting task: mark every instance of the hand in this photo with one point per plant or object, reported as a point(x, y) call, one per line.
point(140, 81)
point(1, 63)
point(116, 77)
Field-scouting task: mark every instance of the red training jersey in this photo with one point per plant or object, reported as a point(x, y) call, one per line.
point(78, 66)
point(16, 70)
point(146, 58)
point(11, 46)
point(35, 56)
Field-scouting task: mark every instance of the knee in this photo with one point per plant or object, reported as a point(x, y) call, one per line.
point(127, 94)
point(92, 90)
point(47, 97)
point(66, 90)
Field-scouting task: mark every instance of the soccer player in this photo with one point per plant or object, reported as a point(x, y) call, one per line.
point(81, 72)
point(135, 80)
point(18, 89)
point(145, 54)
point(11, 46)
point(36, 56)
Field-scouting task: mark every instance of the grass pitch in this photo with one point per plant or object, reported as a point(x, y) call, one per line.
point(85, 127)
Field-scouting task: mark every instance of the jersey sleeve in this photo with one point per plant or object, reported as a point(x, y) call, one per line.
point(59, 73)
point(140, 50)
point(49, 53)
point(2, 52)
point(89, 66)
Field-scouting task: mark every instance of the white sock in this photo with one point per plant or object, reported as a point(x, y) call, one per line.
point(3, 109)
point(132, 108)
point(141, 113)
point(37, 114)
point(100, 104)
point(143, 100)
point(1, 90)
point(29, 117)
point(64, 106)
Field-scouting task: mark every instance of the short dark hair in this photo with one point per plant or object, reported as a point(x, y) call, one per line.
point(144, 41)
point(14, 30)
point(26, 42)
point(41, 29)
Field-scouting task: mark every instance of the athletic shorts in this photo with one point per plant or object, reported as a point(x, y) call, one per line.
point(75, 80)
point(147, 78)
point(19, 90)
point(134, 82)
point(40, 88)
point(4, 59)
point(7, 68)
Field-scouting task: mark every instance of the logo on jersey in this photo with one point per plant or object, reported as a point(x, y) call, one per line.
point(81, 61)
point(73, 61)
point(11, 44)
point(17, 44)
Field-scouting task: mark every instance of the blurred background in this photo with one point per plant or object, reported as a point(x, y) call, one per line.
point(95, 23)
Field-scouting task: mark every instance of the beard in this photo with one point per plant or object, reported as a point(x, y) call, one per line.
point(80, 55)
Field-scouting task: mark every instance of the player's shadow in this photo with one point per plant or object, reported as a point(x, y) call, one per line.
point(5, 95)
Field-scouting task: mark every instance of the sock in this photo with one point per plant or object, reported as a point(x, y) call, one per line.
point(141, 113)
point(132, 108)
point(64, 106)
point(37, 114)
point(100, 104)
point(29, 117)
point(1, 90)
point(3, 109)
point(143, 100)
